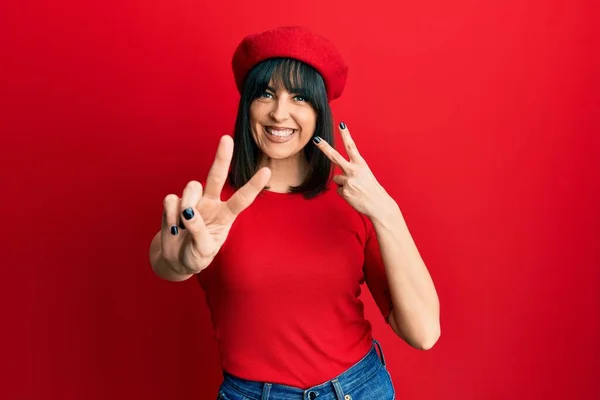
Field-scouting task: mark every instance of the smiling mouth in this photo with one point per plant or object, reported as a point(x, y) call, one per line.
point(279, 132)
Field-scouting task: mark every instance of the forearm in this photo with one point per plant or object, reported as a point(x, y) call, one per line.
point(415, 300)
point(160, 266)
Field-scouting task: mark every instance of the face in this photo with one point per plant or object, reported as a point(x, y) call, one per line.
point(282, 123)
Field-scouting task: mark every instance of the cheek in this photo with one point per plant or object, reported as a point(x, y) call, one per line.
point(255, 118)
point(309, 121)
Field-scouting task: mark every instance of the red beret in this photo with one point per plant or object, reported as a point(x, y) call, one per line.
point(292, 42)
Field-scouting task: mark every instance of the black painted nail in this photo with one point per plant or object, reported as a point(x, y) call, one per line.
point(188, 213)
point(181, 225)
point(342, 125)
point(317, 140)
point(174, 230)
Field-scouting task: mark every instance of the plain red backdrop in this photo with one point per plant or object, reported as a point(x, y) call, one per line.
point(480, 118)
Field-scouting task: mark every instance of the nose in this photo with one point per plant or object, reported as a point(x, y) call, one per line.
point(280, 110)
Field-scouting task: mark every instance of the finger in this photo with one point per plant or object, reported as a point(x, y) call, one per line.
point(217, 175)
point(189, 213)
point(164, 220)
point(340, 179)
point(349, 144)
point(245, 195)
point(332, 153)
point(170, 206)
point(170, 234)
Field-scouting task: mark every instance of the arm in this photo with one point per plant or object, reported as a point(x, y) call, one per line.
point(415, 305)
point(415, 314)
point(160, 266)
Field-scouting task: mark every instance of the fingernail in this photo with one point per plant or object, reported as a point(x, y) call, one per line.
point(181, 225)
point(317, 140)
point(188, 213)
point(174, 230)
point(342, 125)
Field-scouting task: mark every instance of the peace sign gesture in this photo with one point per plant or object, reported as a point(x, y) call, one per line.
point(205, 219)
point(357, 184)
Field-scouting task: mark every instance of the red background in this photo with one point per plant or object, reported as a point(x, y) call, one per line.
point(480, 118)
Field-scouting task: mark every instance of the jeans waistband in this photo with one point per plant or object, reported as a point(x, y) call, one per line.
point(354, 376)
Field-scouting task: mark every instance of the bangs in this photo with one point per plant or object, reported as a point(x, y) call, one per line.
point(292, 75)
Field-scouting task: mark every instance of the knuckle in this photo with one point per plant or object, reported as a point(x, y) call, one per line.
point(242, 198)
point(212, 179)
point(192, 189)
point(194, 185)
point(170, 200)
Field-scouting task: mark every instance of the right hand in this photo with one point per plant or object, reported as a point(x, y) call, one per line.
point(194, 248)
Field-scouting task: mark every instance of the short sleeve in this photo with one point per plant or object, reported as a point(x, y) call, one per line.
point(374, 271)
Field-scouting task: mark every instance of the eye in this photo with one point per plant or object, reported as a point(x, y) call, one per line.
point(266, 95)
point(300, 98)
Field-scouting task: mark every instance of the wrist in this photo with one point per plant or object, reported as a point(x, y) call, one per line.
point(387, 212)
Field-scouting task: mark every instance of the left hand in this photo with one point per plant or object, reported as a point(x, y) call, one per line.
point(357, 184)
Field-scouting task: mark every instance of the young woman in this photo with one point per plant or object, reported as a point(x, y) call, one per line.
point(281, 247)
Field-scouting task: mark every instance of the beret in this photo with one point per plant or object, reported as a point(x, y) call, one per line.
point(295, 42)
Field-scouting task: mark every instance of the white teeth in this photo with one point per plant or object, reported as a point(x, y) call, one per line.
point(279, 132)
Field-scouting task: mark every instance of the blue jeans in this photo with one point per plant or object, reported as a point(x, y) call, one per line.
point(368, 379)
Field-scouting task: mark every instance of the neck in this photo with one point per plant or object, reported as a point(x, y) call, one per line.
point(286, 172)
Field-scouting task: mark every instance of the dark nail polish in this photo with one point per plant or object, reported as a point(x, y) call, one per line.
point(188, 213)
point(181, 225)
point(317, 140)
point(174, 230)
point(342, 125)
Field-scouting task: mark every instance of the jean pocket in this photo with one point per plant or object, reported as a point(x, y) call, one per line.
point(377, 387)
point(226, 393)
point(229, 396)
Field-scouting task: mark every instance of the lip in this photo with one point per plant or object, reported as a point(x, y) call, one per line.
point(276, 139)
point(280, 128)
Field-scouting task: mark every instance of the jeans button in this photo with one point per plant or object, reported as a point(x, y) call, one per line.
point(312, 395)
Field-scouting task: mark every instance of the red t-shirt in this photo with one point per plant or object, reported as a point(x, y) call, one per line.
point(283, 290)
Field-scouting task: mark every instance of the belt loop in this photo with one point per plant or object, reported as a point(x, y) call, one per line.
point(339, 393)
point(380, 352)
point(266, 391)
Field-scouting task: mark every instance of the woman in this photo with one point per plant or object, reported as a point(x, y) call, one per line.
point(282, 259)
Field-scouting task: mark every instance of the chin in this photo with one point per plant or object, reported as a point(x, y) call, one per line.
point(278, 156)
